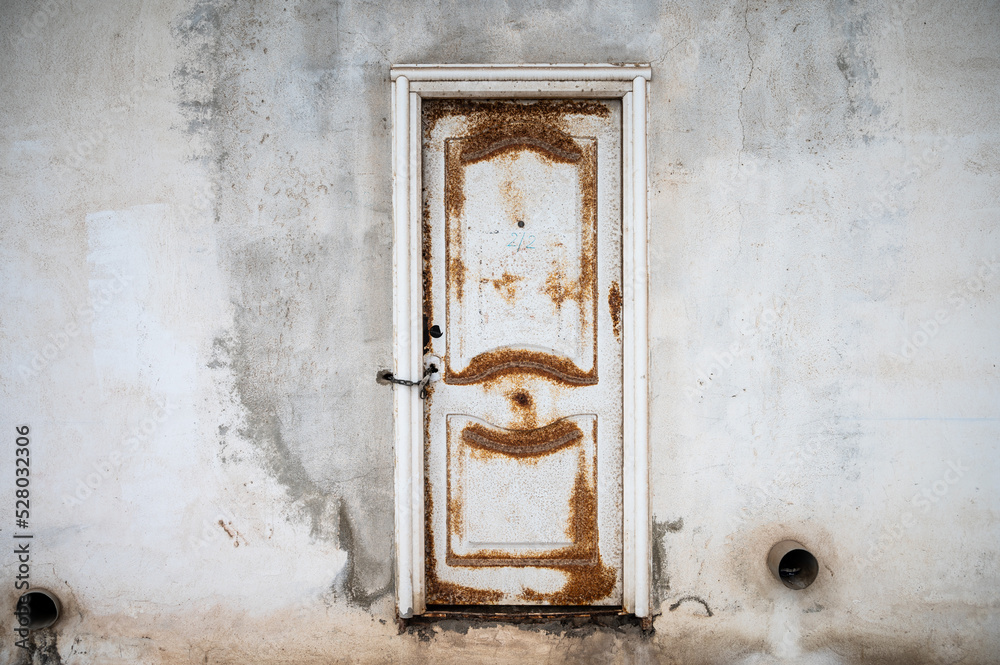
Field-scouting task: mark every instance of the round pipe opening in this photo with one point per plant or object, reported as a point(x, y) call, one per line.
point(792, 564)
point(37, 609)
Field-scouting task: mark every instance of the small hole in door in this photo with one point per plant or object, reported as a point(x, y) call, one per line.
point(521, 398)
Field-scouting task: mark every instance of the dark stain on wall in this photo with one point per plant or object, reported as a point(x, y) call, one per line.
point(43, 649)
point(693, 599)
point(264, 429)
point(196, 32)
point(289, 296)
point(348, 583)
point(598, 625)
point(659, 579)
point(362, 581)
point(855, 60)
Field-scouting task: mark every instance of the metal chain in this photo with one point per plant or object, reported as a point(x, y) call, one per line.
point(431, 369)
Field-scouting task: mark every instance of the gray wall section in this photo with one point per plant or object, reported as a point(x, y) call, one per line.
point(197, 271)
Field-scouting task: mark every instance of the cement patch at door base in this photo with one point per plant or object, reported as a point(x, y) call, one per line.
point(556, 618)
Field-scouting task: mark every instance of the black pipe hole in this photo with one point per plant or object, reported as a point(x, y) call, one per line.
point(36, 610)
point(798, 569)
point(520, 223)
point(435, 332)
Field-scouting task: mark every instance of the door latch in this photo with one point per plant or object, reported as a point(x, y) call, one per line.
point(385, 377)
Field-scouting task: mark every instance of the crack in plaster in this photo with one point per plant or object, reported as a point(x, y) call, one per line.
point(739, 114)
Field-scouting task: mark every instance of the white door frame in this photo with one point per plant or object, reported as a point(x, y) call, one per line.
point(411, 83)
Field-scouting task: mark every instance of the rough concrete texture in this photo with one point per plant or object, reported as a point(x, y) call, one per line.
point(196, 284)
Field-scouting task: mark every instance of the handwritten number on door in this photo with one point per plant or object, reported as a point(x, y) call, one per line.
point(521, 241)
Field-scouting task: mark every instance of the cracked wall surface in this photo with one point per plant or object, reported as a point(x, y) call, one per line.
point(197, 286)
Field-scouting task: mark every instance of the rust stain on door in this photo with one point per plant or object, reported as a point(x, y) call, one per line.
point(507, 286)
point(615, 309)
point(535, 443)
point(507, 362)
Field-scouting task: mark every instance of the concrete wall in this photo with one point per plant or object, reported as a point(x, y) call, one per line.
point(196, 289)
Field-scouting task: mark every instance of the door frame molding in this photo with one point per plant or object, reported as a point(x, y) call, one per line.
point(412, 83)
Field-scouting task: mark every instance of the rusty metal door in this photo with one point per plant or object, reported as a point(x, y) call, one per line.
point(522, 301)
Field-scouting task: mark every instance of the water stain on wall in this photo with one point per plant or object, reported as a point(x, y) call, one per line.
point(659, 578)
point(281, 285)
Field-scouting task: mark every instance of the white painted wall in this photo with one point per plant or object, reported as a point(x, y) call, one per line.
point(196, 284)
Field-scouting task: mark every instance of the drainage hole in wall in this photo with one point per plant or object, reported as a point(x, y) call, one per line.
point(37, 609)
point(798, 569)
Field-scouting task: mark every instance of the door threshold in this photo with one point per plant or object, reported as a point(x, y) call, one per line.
point(566, 616)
